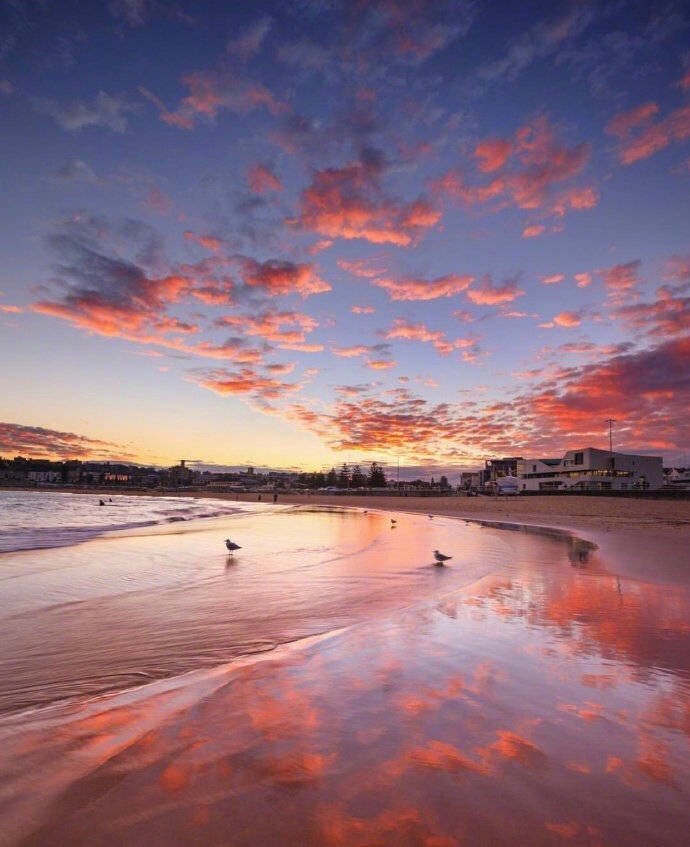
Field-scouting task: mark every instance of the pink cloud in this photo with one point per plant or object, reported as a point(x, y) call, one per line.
point(38, 442)
point(583, 279)
point(365, 268)
point(286, 327)
point(622, 279)
point(381, 364)
point(422, 289)
point(349, 203)
point(211, 92)
point(492, 154)
point(533, 230)
point(641, 136)
point(527, 171)
point(403, 329)
point(552, 279)
point(282, 277)
point(493, 295)
point(15, 310)
point(262, 180)
point(351, 352)
point(566, 320)
point(362, 310)
point(245, 381)
point(210, 242)
point(668, 315)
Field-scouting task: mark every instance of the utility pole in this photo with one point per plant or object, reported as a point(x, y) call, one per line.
point(610, 422)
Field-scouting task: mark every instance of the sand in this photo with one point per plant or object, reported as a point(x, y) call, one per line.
point(668, 518)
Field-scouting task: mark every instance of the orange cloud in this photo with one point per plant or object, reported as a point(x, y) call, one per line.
point(245, 381)
point(37, 442)
point(349, 203)
point(403, 329)
point(493, 295)
point(641, 136)
point(351, 352)
point(282, 277)
point(366, 268)
point(262, 180)
point(210, 242)
point(552, 279)
point(566, 319)
point(211, 92)
point(533, 231)
point(492, 154)
point(271, 326)
point(621, 279)
point(583, 280)
point(381, 364)
point(531, 171)
point(14, 310)
point(422, 289)
point(668, 315)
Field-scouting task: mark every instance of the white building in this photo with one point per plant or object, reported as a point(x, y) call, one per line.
point(678, 479)
point(43, 476)
point(591, 470)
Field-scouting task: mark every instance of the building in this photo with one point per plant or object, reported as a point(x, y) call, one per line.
point(495, 469)
point(40, 477)
point(591, 470)
point(677, 479)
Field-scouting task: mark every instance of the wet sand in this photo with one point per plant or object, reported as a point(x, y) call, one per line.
point(670, 518)
point(543, 702)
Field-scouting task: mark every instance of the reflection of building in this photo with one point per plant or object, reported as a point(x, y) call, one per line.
point(591, 470)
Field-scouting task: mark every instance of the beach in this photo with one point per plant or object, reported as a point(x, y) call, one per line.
point(535, 691)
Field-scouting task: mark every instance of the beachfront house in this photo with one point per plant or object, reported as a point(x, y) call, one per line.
point(590, 469)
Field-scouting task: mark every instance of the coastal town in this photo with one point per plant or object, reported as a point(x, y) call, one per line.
point(585, 471)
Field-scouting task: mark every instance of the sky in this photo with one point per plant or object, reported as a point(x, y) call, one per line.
point(297, 234)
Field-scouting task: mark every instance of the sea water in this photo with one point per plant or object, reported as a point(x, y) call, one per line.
point(328, 685)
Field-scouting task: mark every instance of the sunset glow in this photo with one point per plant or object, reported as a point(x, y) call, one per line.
point(297, 234)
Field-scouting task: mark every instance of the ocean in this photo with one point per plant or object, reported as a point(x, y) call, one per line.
point(328, 684)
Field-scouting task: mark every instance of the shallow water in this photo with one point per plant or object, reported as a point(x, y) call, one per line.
point(120, 610)
point(31, 520)
point(530, 694)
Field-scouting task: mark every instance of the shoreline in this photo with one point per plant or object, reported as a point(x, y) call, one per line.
point(574, 513)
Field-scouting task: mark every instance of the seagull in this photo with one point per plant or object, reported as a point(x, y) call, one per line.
point(231, 545)
point(393, 520)
point(441, 558)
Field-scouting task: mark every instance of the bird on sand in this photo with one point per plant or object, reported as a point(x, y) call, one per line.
point(441, 558)
point(231, 545)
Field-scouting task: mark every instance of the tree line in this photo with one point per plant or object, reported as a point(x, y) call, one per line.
point(346, 477)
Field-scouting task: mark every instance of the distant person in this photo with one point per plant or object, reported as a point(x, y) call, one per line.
point(259, 498)
point(275, 498)
point(101, 502)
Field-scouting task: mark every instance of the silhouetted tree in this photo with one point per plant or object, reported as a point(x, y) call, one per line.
point(358, 480)
point(344, 476)
point(377, 478)
point(331, 478)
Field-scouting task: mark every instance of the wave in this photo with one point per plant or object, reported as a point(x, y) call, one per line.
point(41, 538)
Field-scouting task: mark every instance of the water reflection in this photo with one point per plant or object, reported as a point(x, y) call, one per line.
point(542, 704)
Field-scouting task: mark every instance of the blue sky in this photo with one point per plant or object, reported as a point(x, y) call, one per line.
point(307, 233)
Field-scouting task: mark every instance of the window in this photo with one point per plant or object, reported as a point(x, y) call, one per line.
point(534, 468)
point(579, 459)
